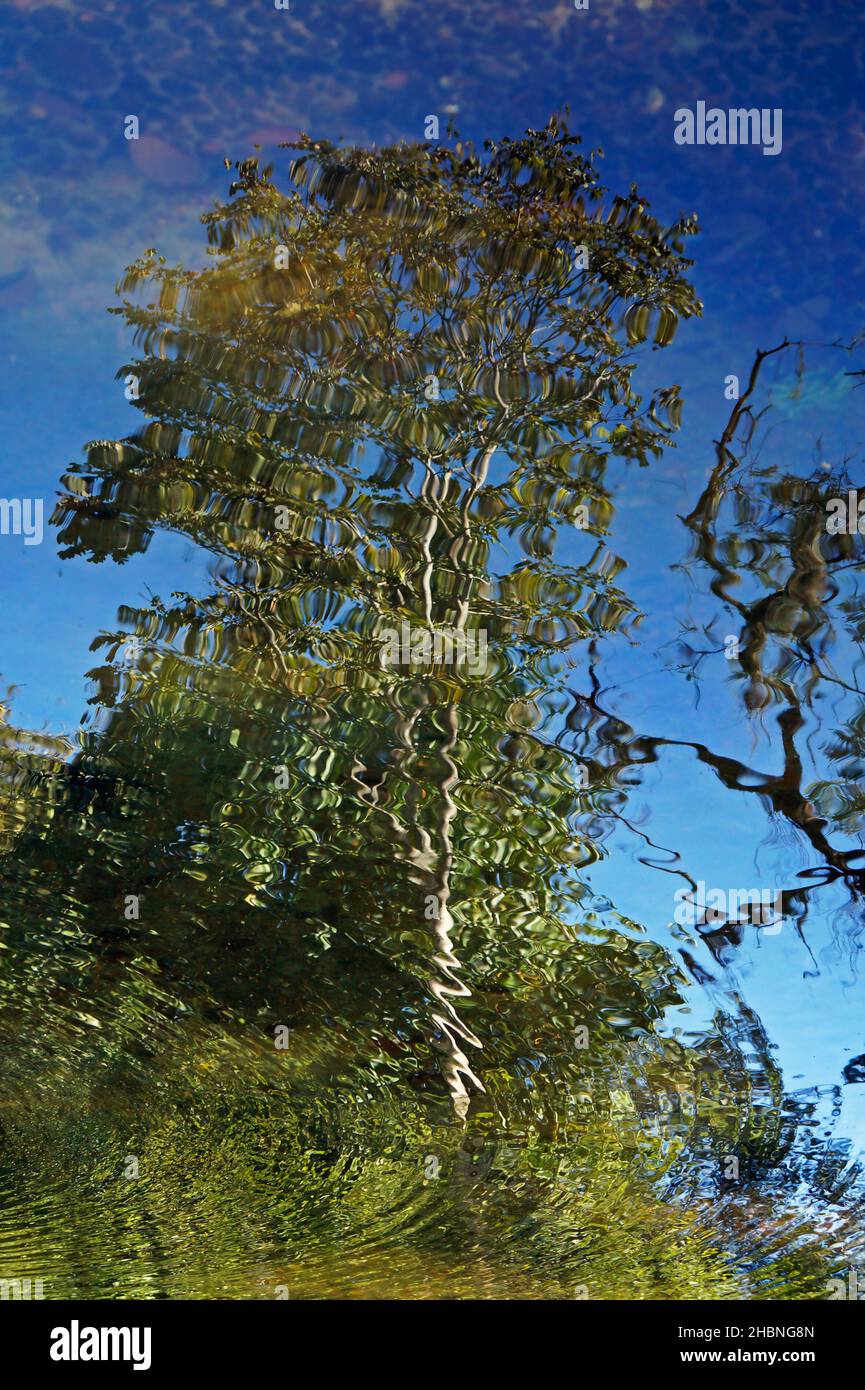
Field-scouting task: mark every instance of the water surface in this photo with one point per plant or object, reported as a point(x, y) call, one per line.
point(329, 974)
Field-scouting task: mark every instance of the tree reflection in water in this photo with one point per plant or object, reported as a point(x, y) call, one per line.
point(308, 932)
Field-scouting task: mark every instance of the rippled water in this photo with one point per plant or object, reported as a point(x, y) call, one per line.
point(458, 890)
